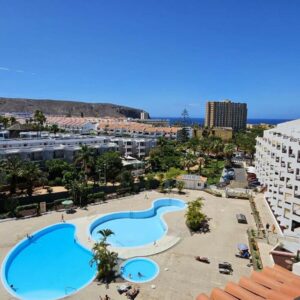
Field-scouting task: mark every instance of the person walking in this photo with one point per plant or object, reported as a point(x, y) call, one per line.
point(273, 228)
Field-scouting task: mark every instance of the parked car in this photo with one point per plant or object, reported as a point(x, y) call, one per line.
point(241, 219)
point(256, 183)
point(253, 180)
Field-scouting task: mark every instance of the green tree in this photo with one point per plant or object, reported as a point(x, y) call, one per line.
point(194, 216)
point(229, 149)
point(39, 118)
point(180, 186)
point(173, 173)
point(56, 168)
point(216, 145)
point(110, 165)
point(165, 156)
point(14, 170)
point(79, 191)
point(32, 176)
point(54, 129)
point(188, 161)
point(126, 179)
point(105, 260)
point(4, 121)
point(193, 145)
point(84, 158)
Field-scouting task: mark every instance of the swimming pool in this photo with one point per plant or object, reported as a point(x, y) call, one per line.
point(136, 228)
point(49, 265)
point(139, 270)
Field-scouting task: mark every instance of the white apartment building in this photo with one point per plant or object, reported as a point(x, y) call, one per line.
point(277, 163)
point(67, 146)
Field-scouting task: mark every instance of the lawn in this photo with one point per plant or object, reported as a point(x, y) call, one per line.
point(213, 170)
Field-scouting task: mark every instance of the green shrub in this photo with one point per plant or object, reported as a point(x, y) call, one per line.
point(22, 208)
point(123, 191)
point(100, 196)
point(57, 181)
point(194, 217)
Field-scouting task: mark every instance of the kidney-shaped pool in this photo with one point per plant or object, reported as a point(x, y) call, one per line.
point(49, 265)
point(136, 228)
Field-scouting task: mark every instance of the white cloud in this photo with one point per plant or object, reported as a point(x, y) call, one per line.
point(15, 71)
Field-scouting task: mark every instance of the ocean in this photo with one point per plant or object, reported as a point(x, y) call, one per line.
point(200, 121)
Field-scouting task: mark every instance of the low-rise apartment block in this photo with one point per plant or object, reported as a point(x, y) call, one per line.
point(67, 146)
point(277, 163)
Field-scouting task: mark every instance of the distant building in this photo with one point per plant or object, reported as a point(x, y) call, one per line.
point(66, 146)
point(261, 125)
point(144, 115)
point(193, 182)
point(4, 134)
point(224, 133)
point(155, 122)
point(16, 129)
point(226, 114)
point(277, 164)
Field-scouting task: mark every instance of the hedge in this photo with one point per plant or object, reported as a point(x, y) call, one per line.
point(27, 207)
point(22, 208)
point(96, 196)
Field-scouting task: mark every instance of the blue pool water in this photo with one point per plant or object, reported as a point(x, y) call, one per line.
point(147, 268)
point(48, 266)
point(136, 228)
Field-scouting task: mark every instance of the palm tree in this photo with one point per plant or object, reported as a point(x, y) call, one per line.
point(194, 216)
point(217, 147)
point(39, 118)
point(54, 128)
point(105, 233)
point(193, 145)
point(189, 161)
point(32, 176)
point(180, 186)
point(105, 260)
point(84, 158)
point(228, 150)
point(14, 169)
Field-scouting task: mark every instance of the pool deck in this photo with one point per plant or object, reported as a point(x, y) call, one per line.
point(180, 277)
point(82, 234)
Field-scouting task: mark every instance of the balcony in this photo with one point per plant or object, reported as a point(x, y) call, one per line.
point(289, 185)
point(290, 170)
point(297, 177)
point(292, 155)
point(297, 194)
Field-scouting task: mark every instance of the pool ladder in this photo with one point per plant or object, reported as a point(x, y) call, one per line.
point(69, 288)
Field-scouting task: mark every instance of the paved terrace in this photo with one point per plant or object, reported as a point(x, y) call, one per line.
point(180, 277)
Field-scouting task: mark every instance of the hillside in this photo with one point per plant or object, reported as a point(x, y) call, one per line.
point(67, 108)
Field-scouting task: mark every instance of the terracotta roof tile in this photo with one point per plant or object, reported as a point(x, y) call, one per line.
point(274, 283)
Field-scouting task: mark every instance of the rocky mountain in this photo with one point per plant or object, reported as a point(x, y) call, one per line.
point(67, 108)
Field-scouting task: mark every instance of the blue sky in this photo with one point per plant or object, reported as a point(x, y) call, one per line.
point(162, 56)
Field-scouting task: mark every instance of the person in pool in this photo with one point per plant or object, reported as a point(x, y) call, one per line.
point(12, 287)
point(140, 274)
point(130, 276)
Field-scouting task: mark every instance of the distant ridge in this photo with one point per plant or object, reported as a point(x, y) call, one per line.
point(67, 108)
